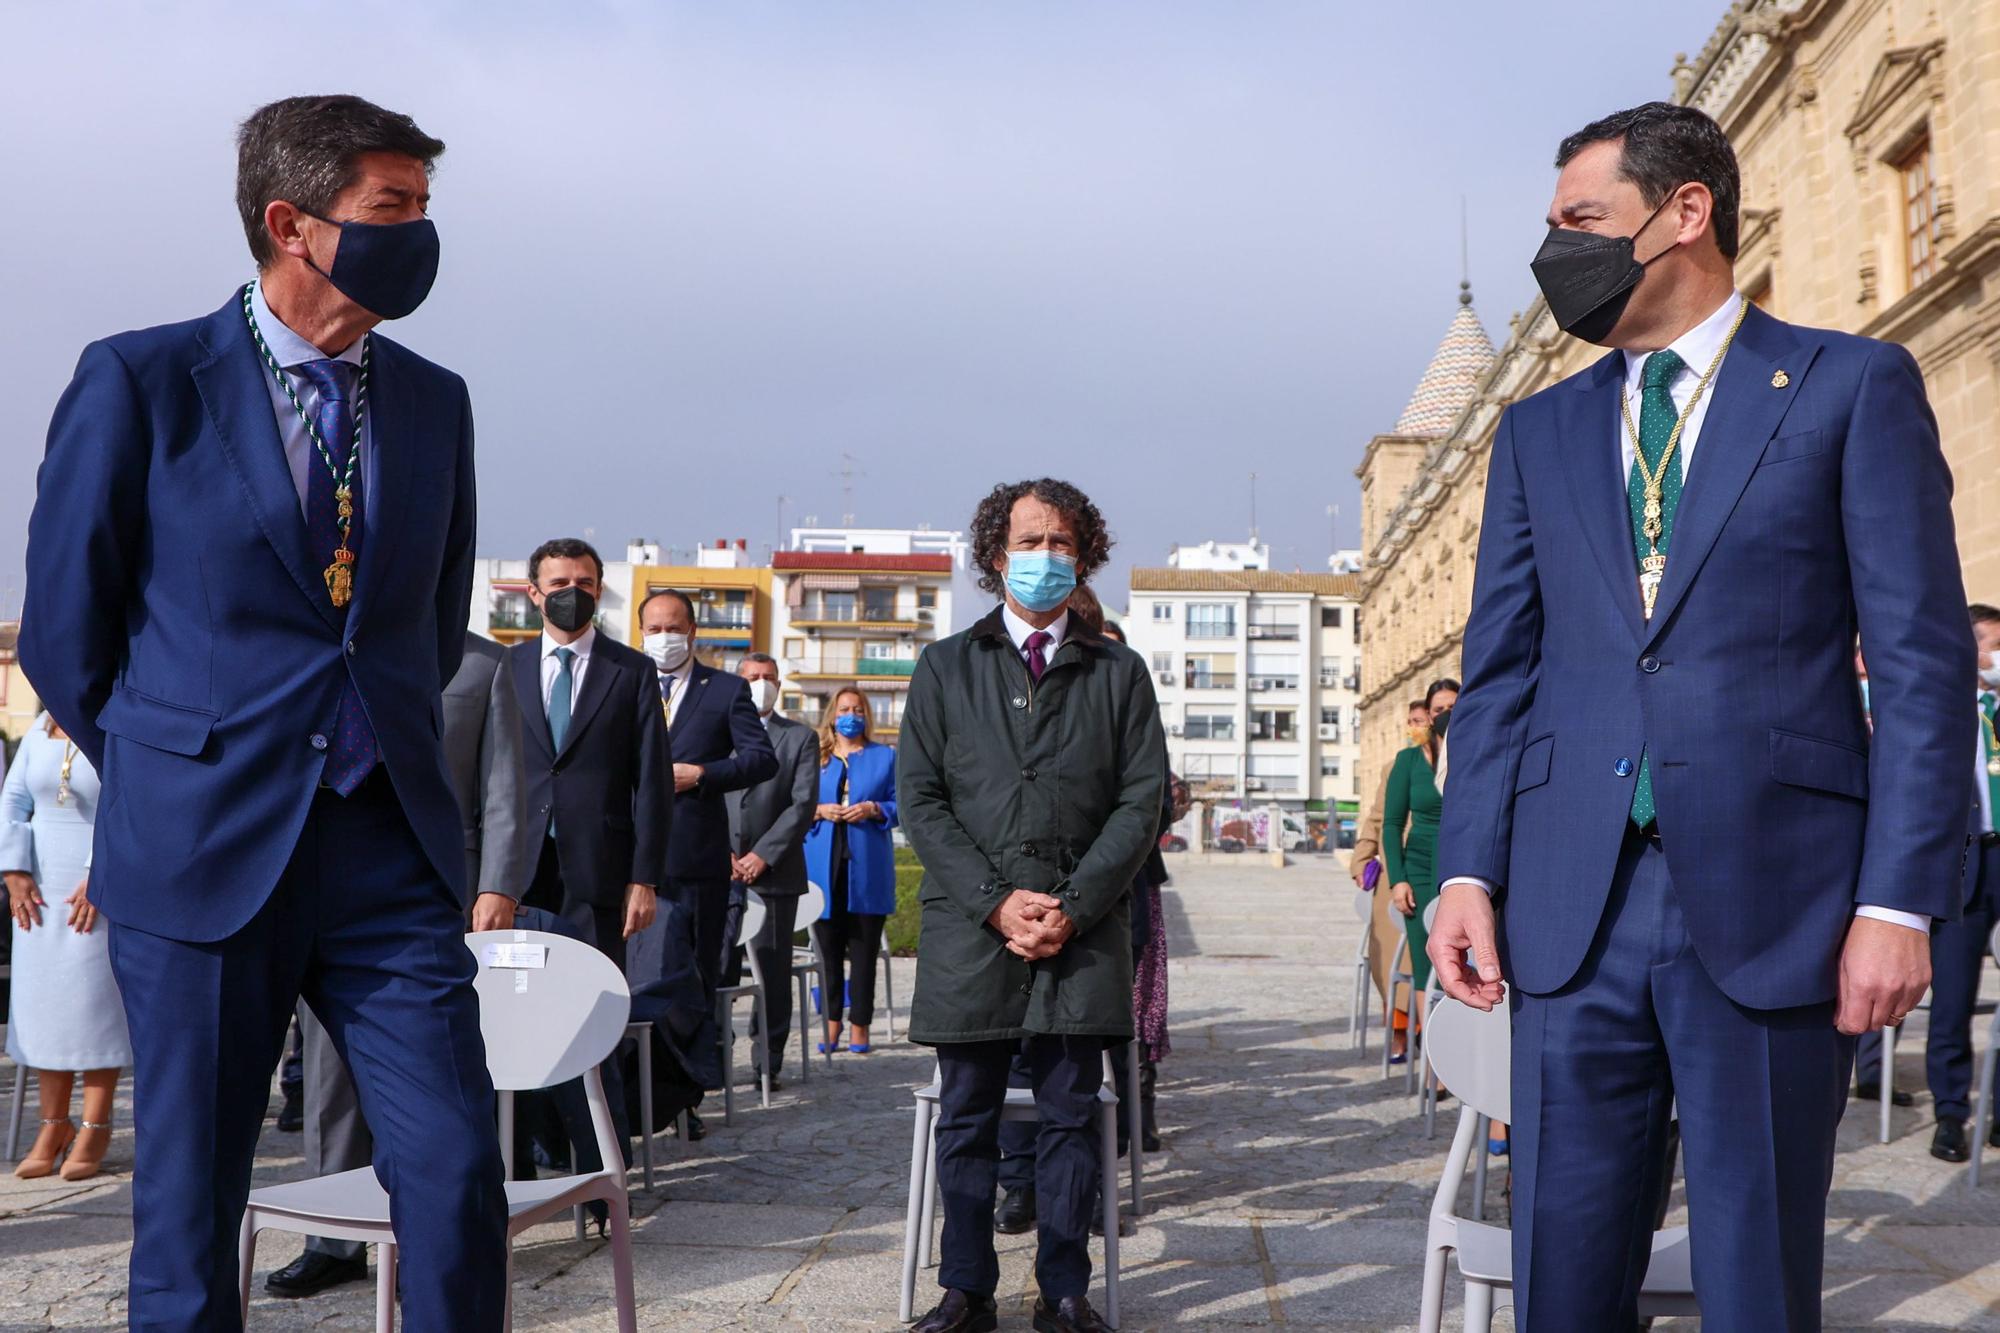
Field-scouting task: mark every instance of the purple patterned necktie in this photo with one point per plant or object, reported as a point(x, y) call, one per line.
point(1037, 646)
point(352, 754)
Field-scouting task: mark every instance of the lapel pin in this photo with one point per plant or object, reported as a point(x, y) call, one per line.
point(1780, 379)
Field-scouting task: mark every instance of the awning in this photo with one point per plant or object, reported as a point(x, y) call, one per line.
point(831, 582)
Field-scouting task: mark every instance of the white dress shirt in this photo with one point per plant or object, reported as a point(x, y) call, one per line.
point(551, 668)
point(680, 679)
point(1018, 630)
point(290, 351)
point(1697, 348)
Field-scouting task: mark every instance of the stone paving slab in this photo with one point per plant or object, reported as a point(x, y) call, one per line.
point(1293, 1192)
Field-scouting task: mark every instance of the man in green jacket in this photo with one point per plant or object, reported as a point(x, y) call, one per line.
point(1030, 770)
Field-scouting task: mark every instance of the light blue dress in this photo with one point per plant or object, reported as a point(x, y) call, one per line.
point(65, 1012)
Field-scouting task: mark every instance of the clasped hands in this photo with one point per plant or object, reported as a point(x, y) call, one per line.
point(1034, 923)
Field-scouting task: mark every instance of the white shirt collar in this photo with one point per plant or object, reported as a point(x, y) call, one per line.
point(287, 347)
point(1018, 629)
point(681, 675)
point(581, 646)
point(1697, 347)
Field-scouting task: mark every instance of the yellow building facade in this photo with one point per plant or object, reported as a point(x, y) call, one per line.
point(732, 608)
point(1868, 132)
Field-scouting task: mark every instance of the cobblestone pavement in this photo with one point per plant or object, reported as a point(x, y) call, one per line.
point(1293, 1191)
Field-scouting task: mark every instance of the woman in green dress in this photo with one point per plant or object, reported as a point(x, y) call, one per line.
point(1410, 824)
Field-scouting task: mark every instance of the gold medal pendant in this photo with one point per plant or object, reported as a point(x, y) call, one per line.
point(1651, 571)
point(340, 576)
point(1993, 767)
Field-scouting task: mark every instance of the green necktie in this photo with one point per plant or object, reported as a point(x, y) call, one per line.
point(559, 703)
point(1990, 706)
point(1657, 415)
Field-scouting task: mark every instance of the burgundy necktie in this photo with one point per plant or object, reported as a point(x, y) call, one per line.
point(1037, 646)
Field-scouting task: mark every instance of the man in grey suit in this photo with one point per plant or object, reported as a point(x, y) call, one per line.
point(767, 833)
point(482, 750)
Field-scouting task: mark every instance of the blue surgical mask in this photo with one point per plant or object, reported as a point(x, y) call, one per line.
point(851, 725)
point(1040, 580)
point(386, 268)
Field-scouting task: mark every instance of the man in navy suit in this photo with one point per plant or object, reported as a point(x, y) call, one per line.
point(1707, 877)
point(249, 571)
point(720, 746)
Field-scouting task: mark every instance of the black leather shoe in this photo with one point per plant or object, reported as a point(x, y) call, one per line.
point(1948, 1140)
point(1872, 1092)
point(697, 1131)
point(960, 1312)
point(1072, 1314)
point(291, 1115)
point(1016, 1212)
point(1150, 1141)
point(313, 1272)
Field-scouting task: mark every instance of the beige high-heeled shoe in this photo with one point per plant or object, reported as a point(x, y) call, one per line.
point(86, 1152)
point(55, 1136)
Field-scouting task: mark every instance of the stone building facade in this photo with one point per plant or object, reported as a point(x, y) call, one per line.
point(1868, 132)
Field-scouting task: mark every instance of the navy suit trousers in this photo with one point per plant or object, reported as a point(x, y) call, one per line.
point(363, 927)
point(1599, 1063)
point(1065, 1073)
point(1958, 956)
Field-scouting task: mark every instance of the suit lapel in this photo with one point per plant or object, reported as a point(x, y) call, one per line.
point(598, 679)
point(528, 692)
point(1587, 424)
point(392, 426)
point(1743, 416)
point(697, 694)
point(231, 384)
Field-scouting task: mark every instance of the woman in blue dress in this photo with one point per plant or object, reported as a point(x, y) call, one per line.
point(850, 855)
point(66, 1017)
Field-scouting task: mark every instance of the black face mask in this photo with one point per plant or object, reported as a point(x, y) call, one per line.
point(1588, 279)
point(569, 609)
point(1439, 722)
point(386, 268)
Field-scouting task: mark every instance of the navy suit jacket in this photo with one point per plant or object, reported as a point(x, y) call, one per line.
point(1818, 505)
point(177, 625)
point(611, 788)
point(718, 728)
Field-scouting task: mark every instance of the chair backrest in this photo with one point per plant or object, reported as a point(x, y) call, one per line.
point(1471, 1052)
point(1993, 943)
point(753, 919)
point(1364, 905)
point(1431, 914)
point(811, 904)
point(547, 1022)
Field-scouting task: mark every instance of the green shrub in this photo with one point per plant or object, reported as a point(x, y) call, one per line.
point(905, 924)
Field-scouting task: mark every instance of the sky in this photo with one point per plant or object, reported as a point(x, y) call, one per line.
point(699, 258)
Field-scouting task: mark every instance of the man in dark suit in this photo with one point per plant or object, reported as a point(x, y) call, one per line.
point(1708, 877)
point(719, 747)
point(767, 832)
point(249, 574)
point(599, 770)
point(482, 750)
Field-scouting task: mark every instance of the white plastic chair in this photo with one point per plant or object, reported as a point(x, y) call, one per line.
point(887, 961)
point(921, 1221)
point(1364, 956)
point(543, 1027)
point(1472, 1051)
point(806, 969)
point(1982, 1092)
point(1400, 978)
point(725, 1015)
point(1427, 1082)
point(1134, 1126)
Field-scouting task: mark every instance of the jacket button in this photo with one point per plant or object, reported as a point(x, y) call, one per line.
point(1649, 664)
point(1027, 988)
point(1623, 768)
point(350, 647)
point(1028, 775)
point(1027, 849)
point(1020, 701)
point(317, 741)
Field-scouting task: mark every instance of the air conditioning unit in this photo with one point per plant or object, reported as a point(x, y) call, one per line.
point(1173, 731)
point(925, 617)
point(1167, 678)
point(1329, 733)
point(1254, 784)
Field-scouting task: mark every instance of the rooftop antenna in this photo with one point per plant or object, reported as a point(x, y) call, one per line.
point(849, 470)
point(1253, 509)
point(1464, 254)
point(784, 502)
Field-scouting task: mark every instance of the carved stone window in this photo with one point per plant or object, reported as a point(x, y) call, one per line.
point(1920, 213)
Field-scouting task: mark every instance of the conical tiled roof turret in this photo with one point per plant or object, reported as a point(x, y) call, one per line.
point(1447, 387)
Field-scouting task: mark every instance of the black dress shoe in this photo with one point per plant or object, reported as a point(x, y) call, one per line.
point(960, 1312)
point(1016, 1212)
point(697, 1131)
point(291, 1115)
point(1948, 1140)
point(1872, 1092)
point(1072, 1314)
point(313, 1272)
point(1150, 1141)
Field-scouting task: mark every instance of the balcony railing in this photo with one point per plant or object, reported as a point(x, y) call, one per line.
point(1266, 630)
point(850, 615)
point(1274, 682)
point(735, 618)
point(885, 666)
point(529, 619)
point(1211, 680)
point(1198, 733)
point(1211, 629)
point(1274, 733)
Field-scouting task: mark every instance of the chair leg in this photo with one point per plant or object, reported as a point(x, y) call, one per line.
point(888, 987)
point(507, 1310)
point(1410, 1026)
point(724, 1021)
point(621, 1264)
point(927, 1238)
point(919, 1140)
point(246, 1254)
point(764, 1082)
point(805, 1029)
point(1983, 1096)
point(1478, 1308)
point(1430, 1318)
point(1482, 1129)
point(1888, 1078)
point(1134, 1126)
point(385, 1287)
point(646, 1127)
point(1107, 1189)
point(14, 1113)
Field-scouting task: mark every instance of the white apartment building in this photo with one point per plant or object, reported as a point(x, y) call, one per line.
point(1258, 675)
point(1252, 554)
point(502, 610)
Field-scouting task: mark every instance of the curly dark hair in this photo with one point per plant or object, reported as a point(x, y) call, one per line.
point(991, 521)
